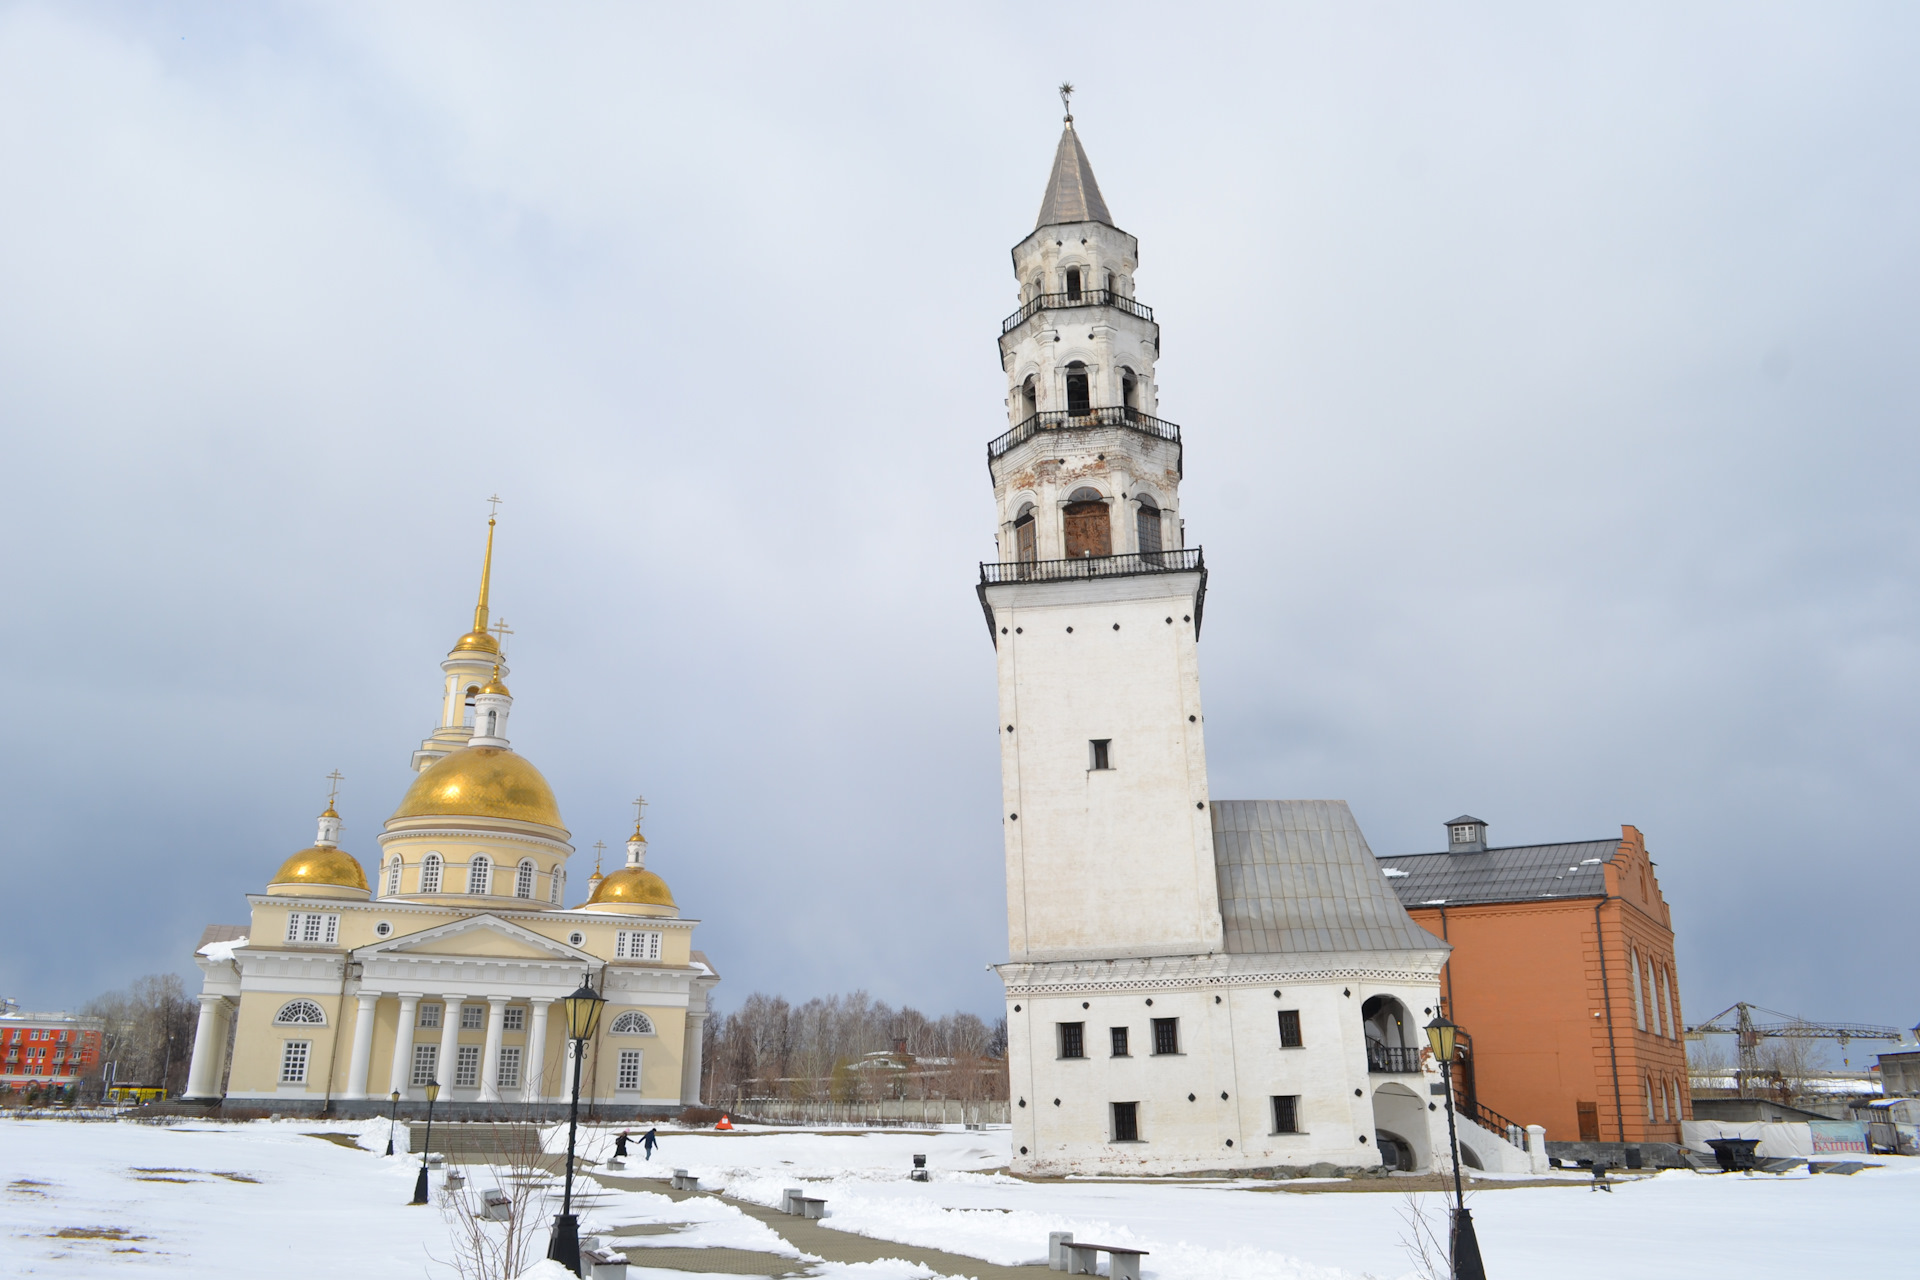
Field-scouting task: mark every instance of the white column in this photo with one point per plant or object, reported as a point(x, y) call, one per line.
point(690, 1060)
point(209, 1047)
point(362, 1045)
point(490, 1058)
point(537, 1052)
point(403, 1046)
point(449, 1041)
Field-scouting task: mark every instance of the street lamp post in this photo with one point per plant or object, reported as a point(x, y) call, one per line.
point(393, 1120)
point(1463, 1247)
point(426, 1145)
point(583, 1016)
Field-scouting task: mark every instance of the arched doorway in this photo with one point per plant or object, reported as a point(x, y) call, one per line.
point(1400, 1128)
point(1089, 531)
point(1393, 1044)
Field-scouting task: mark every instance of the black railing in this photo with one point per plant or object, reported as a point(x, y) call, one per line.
point(1492, 1121)
point(1057, 420)
point(1084, 298)
point(1186, 559)
point(1392, 1059)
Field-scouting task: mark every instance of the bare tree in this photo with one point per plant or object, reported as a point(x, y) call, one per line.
point(497, 1218)
point(148, 1034)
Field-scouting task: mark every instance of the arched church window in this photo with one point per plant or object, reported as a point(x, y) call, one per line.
point(430, 874)
point(473, 691)
point(480, 874)
point(493, 724)
point(1029, 397)
point(1147, 525)
point(553, 888)
point(300, 1013)
point(1109, 284)
point(632, 1023)
point(1078, 399)
point(1025, 549)
point(1128, 388)
point(523, 883)
point(1073, 284)
point(1089, 531)
point(393, 875)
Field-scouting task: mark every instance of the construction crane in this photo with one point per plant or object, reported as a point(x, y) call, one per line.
point(1751, 1033)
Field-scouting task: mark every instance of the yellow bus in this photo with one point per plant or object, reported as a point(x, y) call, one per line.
point(132, 1095)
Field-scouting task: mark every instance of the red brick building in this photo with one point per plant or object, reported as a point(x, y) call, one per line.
point(46, 1050)
point(1562, 972)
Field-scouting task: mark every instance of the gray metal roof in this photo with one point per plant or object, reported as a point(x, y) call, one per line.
point(1072, 194)
point(1521, 873)
point(1297, 875)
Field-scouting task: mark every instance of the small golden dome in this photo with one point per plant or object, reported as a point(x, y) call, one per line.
point(321, 865)
point(494, 685)
point(632, 887)
point(476, 640)
point(482, 782)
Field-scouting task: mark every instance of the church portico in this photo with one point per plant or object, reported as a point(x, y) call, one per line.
point(445, 969)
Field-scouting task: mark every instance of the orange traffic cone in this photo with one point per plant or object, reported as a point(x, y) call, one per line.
point(724, 1123)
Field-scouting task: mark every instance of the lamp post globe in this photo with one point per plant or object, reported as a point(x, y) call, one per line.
point(582, 1010)
point(393, 1119)
point(1463, 1247)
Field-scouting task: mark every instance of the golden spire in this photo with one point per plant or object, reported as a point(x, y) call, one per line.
point(478, 637)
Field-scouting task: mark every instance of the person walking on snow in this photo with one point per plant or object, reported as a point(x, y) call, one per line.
point(649, 1142)
point(620, 1146)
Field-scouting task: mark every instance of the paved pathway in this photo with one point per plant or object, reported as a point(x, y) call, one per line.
point(804, 1234)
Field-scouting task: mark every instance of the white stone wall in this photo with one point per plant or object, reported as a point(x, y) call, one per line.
point(1115, 862)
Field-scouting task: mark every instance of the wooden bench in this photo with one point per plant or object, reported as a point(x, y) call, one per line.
point(496, 1206)
point(1600, 1180)
point(683, 1181)
point(603, 1264)
point(1084, 1259)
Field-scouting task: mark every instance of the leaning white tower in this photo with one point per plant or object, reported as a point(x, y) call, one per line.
point(1190, 984)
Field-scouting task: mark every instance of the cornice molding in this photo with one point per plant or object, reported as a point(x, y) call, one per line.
point(1213, 972)
point(476, 834)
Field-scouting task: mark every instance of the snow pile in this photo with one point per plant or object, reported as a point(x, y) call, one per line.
point(221, 950)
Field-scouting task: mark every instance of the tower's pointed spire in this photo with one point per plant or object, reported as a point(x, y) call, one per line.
point(1072, 194)
point(478, 638)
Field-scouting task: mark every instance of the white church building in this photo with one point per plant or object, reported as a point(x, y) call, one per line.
point(1192, 983)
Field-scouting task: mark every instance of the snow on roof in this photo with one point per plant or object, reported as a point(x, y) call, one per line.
point(221, 950)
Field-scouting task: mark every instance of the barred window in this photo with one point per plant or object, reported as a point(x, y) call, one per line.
point(1166, 1035)
point(631, 1023)
point(473, 1017)
point(1290, 1029)
point(480, 874)
point(1073, 1039)
point(523, 883)
point(300, 1013)
point(466, 1066)
point(429, 1016)
point(516, 1019)
point(508, 1076)
point(1286, 1113)
point(293, 1061)
point(1119, 1036)
point(1126, 1122)
point(628, 1076)
point(430, 874)
point(426, 1057)
point(633, 944)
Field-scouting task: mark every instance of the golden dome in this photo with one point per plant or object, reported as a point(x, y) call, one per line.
point(494, 685)
point(482, 782)
point(476, 640)
point(632, 887)
point(322, 865)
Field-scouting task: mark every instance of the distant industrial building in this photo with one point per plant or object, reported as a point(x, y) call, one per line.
point(46, 1050)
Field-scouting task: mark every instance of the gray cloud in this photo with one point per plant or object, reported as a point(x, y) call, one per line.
point(1546, 374)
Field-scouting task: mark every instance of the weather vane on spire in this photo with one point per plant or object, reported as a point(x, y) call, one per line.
point(1066, 98)
point(333, 791)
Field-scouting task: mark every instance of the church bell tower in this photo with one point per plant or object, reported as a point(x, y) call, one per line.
point(1094, 605)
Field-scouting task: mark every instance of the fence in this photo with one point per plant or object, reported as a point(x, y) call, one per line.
point(896, 1111)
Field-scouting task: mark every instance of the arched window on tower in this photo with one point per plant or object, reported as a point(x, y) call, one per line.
point(393, 876)
point(523, 882)
point(1129, 389)
point(1089, 531)
point(1109, 284)
point(493, 723)
point(1147, 525)
point(1078, 401)
point(1073, 284)
point(466, 719)
point(300, 1013)
point(430, 874)
point(1029, 397)
point(480, 874)
point(553, 888)
point(1025, 550)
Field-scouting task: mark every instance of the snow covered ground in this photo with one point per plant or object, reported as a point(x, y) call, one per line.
point(217, 1201)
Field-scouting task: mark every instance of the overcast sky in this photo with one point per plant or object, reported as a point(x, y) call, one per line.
point(1547, 376)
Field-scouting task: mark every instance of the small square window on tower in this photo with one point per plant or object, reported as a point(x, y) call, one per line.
point(1286, 1113)
point(1102, 754)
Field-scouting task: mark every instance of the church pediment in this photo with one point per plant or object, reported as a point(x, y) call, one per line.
point(480, 936)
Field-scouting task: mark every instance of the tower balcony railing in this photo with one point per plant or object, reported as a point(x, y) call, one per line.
point(1067, 420)
point(1185, 560)
point(1392, 1059)
point(1084, 298)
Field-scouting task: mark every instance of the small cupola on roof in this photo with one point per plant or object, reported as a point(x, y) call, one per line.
point(1466, 834)
point(1072, 194)
point(490, 707)
point(324, 870)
